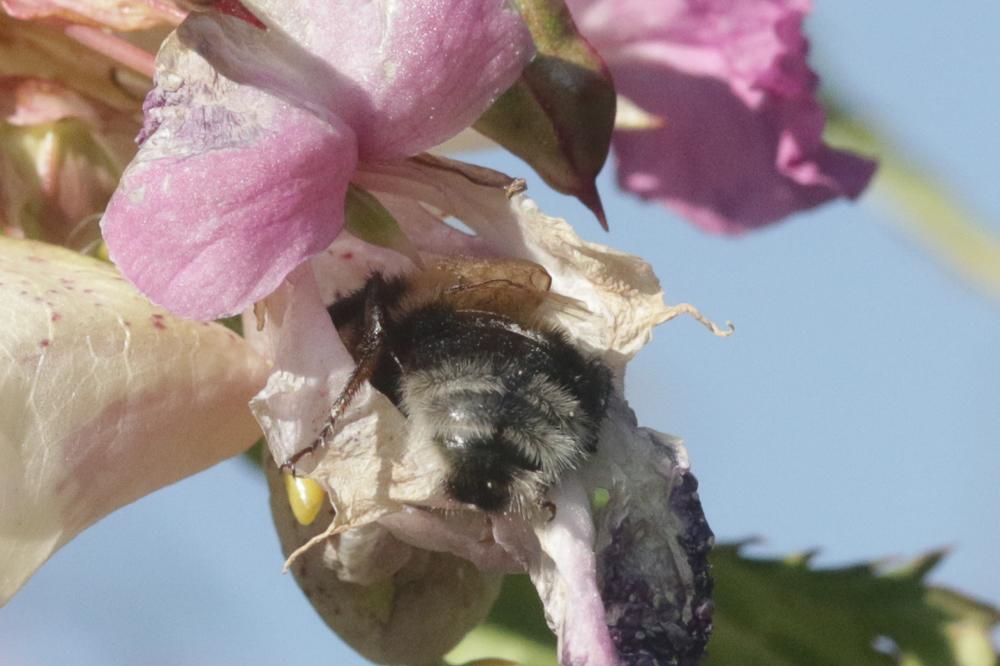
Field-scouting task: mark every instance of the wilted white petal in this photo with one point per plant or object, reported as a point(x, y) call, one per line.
point(599, 587)
point(560, 560)
point(103, 399)
point(621, 297)
point(368, 467)
point(652, 544)
point(300, 341)
point(464, 533)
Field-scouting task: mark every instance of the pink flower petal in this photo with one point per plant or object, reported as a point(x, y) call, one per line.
point(563, 568)
point(103, 399)
point(404, 76)
point(742, 141)
point(230, 191)
point(233, 188)
point(113, 14)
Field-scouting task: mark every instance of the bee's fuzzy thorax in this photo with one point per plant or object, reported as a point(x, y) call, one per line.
point(511, 403)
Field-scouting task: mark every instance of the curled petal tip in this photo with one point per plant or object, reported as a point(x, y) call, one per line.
point(233, 8)
point(237, 9)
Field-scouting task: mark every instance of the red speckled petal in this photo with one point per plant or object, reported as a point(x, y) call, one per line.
point(103, 399)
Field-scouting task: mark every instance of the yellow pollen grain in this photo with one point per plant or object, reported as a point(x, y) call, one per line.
point(305, 496)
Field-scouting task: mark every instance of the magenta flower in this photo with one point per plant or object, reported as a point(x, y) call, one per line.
point(740, 143)
point(242, 177)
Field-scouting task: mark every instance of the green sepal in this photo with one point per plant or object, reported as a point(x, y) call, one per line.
point(558, 117)
point(367, 219)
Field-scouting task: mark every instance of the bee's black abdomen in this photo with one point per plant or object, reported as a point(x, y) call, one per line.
point(482, 471)
point(512, 407)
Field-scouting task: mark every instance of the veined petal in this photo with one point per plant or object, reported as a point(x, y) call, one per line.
point(90, 393)
point(741, 145)
point(311, 367)
point(299, 340)
point(231, 190)
point(403, 75)
point(619, 297)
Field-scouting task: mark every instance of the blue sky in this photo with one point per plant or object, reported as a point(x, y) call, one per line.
point(856, 410)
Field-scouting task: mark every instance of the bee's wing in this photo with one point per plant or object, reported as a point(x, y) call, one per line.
point(478, 272)
point(517, 288)
point(512, 287)
point(557, 307)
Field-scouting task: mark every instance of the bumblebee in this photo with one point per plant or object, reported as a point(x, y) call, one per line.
point(461, 350)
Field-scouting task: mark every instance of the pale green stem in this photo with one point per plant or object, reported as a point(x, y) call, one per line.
point(924, 207)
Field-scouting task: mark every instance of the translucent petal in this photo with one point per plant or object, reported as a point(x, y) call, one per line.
point(103, 399)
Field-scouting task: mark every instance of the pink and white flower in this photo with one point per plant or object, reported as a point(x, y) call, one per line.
point(625, 583)
point(251, 139)
point(79, 324)
point(242, 177)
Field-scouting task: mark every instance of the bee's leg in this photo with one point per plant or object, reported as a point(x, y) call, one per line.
point(368, 352)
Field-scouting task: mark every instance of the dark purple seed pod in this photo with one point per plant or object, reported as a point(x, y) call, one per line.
point(652, 559)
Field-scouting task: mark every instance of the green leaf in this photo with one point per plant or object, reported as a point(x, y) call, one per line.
point(255, 454)
point(774, 612)
point(515, 629)
point(559, 115)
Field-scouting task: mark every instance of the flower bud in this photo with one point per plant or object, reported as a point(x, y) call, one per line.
point(60, 158)
point(390, 601)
